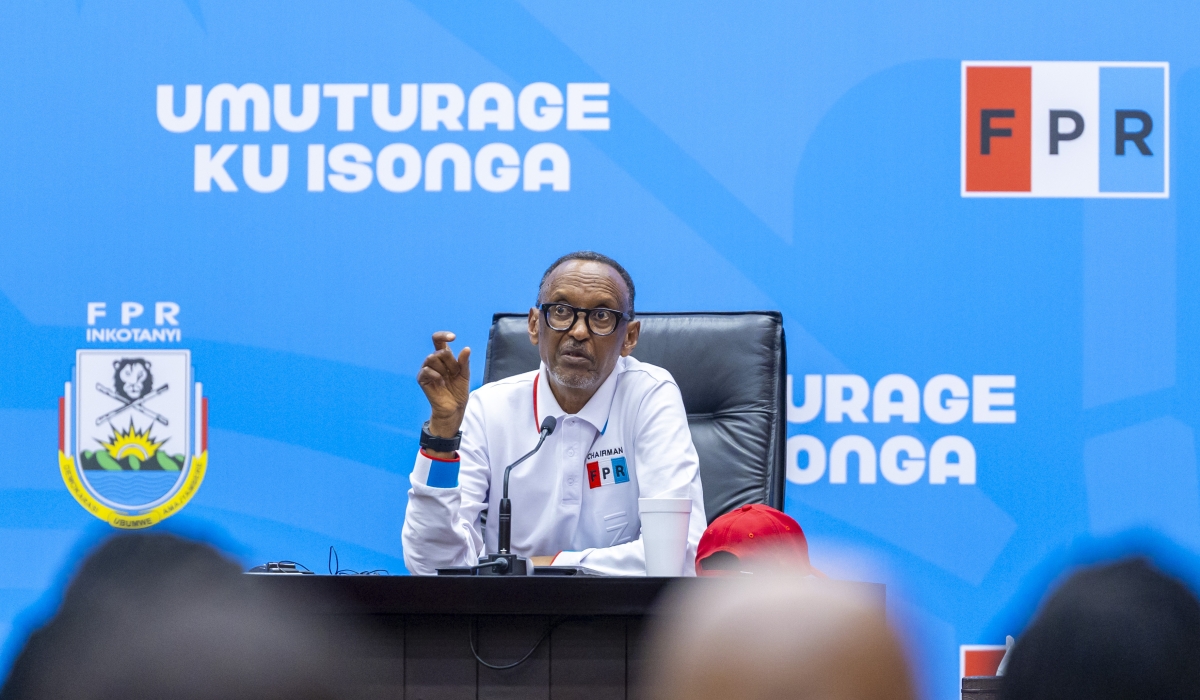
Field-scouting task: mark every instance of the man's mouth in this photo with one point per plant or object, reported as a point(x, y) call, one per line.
point(574, 355)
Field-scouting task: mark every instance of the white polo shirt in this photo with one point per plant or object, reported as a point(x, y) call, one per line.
point(578, 496)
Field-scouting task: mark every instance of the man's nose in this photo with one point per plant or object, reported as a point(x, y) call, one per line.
point(579, 331)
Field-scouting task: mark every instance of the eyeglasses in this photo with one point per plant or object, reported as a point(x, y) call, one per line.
point(600, 321)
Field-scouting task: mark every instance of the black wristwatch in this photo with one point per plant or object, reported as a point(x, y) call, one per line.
point(439, 444)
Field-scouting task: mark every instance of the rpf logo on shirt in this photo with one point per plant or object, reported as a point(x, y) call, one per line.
point(1065, 129)
point(606, 471)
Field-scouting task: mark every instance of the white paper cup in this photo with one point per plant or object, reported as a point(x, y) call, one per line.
point(664, 534)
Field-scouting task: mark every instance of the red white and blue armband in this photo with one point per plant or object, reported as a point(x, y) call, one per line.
point(434, 472)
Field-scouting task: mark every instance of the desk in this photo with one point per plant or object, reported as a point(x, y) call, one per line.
point(424, 626)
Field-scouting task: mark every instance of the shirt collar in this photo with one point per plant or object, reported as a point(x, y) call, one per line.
point(595, 411)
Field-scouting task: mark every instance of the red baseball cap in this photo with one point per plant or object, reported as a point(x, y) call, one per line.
point(750, 537)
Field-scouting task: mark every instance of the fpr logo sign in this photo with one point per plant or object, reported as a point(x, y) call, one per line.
point(1065, 129)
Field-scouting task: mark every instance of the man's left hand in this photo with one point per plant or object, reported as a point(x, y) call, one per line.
point(543, 561)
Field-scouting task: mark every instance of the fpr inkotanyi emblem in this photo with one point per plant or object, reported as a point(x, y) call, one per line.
point(133, 434)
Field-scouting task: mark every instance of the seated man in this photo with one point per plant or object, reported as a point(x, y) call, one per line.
point(622, 433)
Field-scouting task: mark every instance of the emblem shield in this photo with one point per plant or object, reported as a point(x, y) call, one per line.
point(132, 434)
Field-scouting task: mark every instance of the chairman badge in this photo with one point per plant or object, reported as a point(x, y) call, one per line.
point(133, 434)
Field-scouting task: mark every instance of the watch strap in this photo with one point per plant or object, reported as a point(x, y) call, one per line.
point(439, 444)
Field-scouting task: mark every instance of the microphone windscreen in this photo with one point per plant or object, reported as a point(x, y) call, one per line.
point(548, 425)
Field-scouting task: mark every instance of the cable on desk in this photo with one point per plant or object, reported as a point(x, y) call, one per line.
point(518, 662)
point(335, 568)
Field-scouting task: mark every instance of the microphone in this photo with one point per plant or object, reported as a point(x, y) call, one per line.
point(505, 537)
point(503, 561)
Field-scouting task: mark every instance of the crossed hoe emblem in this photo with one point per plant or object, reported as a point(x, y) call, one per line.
point(132, 380)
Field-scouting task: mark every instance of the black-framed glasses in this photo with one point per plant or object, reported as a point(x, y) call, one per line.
point(600, 321)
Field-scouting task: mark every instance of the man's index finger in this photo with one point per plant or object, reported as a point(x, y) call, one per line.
point(441, 339)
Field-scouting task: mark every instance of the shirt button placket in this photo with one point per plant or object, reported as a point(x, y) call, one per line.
point(570, 463)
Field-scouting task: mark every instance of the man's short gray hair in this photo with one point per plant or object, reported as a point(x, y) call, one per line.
point(590, 256)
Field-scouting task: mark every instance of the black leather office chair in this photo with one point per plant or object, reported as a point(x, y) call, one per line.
point(732, 371)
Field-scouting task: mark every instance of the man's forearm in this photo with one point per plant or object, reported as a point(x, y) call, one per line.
point(435, 534)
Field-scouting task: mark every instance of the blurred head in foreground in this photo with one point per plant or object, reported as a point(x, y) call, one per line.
point(1119, 631)
point(155, 616)
point(773, 637)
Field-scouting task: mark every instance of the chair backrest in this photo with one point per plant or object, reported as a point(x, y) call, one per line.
point(731, 369)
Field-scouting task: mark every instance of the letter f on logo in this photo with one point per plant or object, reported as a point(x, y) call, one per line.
point(987, 132)
point(996, 128)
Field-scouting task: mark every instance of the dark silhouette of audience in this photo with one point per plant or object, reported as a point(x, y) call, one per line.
point(156, 617)
point(1123, 631)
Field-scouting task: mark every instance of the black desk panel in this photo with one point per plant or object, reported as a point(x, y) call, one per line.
point(423, 628)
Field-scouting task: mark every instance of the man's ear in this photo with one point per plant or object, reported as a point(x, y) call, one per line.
point(632, 333)
point(533, 326)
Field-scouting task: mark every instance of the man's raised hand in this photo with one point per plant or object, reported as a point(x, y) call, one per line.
point(446, 382)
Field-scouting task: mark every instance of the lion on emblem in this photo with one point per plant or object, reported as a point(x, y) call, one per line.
point(132, 378)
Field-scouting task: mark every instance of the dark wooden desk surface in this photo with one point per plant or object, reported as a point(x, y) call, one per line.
point(421, 631)
point(489, 595)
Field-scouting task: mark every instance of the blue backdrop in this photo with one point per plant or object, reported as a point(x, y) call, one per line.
point(795, 156)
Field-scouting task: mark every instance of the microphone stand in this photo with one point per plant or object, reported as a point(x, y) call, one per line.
point(504, 562)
